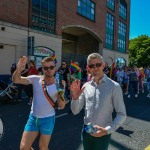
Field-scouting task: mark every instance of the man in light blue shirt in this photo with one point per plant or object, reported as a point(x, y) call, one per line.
point(100, 96)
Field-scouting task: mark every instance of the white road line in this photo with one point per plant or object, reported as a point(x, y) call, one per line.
point(62, 115)
point(1, 129)
point(147, 148)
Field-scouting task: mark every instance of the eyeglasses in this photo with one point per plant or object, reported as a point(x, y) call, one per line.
point(95, 65)
point(50, 67)
point(63, 64)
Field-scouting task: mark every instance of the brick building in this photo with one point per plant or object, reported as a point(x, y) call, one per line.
point(71, 29)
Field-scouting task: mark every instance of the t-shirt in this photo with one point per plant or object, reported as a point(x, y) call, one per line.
point(133, 76)
point(32, 71)
point(141, 76)
point(41, 107)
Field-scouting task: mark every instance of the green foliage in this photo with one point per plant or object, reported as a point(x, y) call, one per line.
point(139, 51)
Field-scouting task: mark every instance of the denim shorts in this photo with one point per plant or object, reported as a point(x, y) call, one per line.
point(42, 125)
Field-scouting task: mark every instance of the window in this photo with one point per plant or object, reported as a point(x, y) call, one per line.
point(122, 37)
point(123, 11)
point(86, 8)
point(120, 62)
point(122, 29)
point(111, 4)
point(44, 15)
point(121, 45)
point(109, 31)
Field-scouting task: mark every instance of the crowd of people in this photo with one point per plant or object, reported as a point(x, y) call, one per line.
point(127, 77)
point(132, 77)
point(86, 88)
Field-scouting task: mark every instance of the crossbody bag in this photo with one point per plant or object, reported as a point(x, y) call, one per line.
point(48, 97)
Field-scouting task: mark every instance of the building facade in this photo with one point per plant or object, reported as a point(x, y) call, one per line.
point(71, 29)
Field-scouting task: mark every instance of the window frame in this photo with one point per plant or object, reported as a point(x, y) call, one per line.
point(111, 4)
point(45, 18)
point(123, 11)
point(110, 30)
point(83, 6)
point(122, 31)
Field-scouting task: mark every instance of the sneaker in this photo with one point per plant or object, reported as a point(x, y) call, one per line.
point(148, 95)
point(129, 96)
point(136, 95)
point(125, 93)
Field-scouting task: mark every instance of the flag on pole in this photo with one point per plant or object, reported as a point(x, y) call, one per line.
point(54, 58)
point(112, 66)
point(74, 66)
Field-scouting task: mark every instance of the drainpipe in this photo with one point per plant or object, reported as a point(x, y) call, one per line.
point(29, 4)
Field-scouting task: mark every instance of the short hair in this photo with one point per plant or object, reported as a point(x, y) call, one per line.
point(94, 56)
point(47, 59)
point(64, 61)
point(32, 62)
point(141, 70)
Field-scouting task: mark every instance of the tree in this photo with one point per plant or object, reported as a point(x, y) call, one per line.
point(139, 51)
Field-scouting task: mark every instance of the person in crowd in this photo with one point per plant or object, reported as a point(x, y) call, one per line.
point(141, 79)
point(148, 82)
point(13, 68)
point(126, 80)
point(115, 73)
point(32, 68)
point(99, 105)
point(20, 87)
point(120, 75)
point(133, 81)
point(137, 74)
point(45, 100)
point(40, 71)
point(31, 71)
point(84, 74)
point(146, 71)
point(63, 72)
point(107, 69)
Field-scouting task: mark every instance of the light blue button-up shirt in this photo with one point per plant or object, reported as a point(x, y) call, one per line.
point(99, 102)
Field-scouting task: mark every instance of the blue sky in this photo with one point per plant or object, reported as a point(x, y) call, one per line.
point(139, 18)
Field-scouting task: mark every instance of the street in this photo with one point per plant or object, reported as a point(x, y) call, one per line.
point(133, 135)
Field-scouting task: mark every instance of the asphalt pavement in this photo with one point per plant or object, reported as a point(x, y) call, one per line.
point(134, 134)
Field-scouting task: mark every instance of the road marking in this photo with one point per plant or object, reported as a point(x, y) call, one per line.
point(147, 148)
point(1, 129)
point(62, 115)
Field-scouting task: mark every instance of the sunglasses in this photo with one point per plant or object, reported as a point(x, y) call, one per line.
point(50, 67)
point(95, 65)
point(63, 64)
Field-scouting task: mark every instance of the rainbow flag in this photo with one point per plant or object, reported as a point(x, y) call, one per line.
point(54, 58)
point(112, 66)
point(74, 66)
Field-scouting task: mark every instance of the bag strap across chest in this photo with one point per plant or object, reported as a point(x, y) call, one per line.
point(48, 97)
